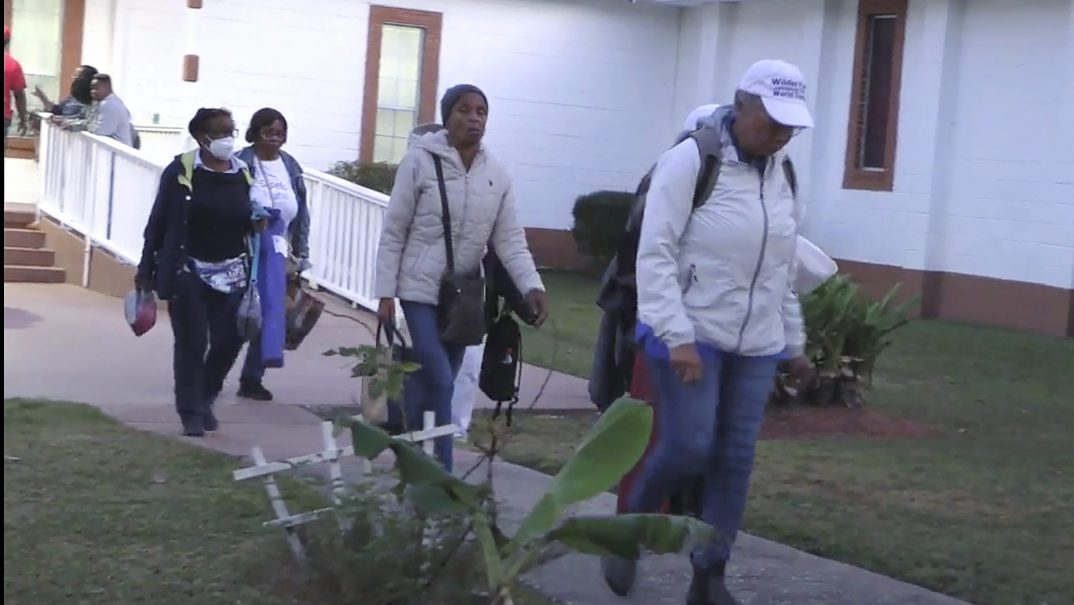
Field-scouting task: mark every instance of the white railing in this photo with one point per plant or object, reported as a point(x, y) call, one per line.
point(98, 187)
point(345, 229)
point(104, 190)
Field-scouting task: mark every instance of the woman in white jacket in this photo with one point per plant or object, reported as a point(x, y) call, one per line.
point(412, 256)
point(717, 308)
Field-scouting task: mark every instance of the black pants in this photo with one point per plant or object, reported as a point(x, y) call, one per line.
point(207, 342)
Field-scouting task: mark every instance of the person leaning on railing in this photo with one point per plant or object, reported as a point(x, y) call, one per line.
point(278, 185)
point(195, 257)
point(75, 103)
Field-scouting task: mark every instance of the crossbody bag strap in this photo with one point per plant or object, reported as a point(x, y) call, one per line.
point(446, 212)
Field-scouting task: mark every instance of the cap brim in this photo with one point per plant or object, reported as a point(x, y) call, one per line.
point(789, 113)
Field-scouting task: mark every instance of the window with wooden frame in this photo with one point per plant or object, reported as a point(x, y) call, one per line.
point(874, 103)
point(401, 68)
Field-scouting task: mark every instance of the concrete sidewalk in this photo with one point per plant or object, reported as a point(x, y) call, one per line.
point(63, 342)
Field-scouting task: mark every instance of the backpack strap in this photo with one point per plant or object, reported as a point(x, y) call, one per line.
point(709, 141)
point(186, 172)
point(790, 175)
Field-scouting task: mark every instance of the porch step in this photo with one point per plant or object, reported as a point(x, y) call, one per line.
point(29, 257)
point(18, 219)
point(34, 275)
point(23, 238)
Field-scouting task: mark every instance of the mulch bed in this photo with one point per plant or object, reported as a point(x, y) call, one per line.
point(801, 422)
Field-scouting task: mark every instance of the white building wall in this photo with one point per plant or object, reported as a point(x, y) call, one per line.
point(580, 92)
point(983, 184)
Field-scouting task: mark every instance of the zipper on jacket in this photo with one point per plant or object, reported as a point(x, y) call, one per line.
point(756, 271)
point(691, 279)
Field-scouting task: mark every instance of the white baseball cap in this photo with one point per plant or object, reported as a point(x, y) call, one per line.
point(782, 90)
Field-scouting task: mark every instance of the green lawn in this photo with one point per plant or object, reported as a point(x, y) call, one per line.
point(981, 510)
point(566, 342)
point(96, 513)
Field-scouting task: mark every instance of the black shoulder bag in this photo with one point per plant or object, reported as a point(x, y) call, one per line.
point(461, 302)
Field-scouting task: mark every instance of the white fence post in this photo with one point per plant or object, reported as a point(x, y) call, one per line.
point(279, 506)
point(331, 454)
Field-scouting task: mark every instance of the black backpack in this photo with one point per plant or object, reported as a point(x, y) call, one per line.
point(501, 365)
point(613, 356)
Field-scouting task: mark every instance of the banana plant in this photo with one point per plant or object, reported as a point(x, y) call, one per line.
point(612, 447)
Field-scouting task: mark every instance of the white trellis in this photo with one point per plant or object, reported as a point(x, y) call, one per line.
point(330, 455)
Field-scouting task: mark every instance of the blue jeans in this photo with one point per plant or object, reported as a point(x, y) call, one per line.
point(707, 428)
point(431, 387)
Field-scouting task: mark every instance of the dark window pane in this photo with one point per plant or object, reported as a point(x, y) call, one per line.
point(876, 83)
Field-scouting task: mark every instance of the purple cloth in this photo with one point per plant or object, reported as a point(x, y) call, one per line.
point(655, 348)
point(272, 286)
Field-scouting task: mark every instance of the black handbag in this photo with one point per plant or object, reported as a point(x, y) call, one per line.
point(461, 300)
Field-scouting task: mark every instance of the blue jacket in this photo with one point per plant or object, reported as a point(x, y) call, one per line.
point(299, 230)
point(166, 233)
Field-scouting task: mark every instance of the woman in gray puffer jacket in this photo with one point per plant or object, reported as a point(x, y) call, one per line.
point(412, 256)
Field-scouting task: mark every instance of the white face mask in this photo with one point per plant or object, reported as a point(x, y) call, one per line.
point(222, 148)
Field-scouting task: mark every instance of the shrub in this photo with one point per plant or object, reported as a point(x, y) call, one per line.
point(599, 220)
point(390, 555)
point(845, 334)
point(378, 176)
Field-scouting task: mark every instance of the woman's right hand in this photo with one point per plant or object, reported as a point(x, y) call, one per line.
point(386, 312)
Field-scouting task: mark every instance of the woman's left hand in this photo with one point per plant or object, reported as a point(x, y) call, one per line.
point(261, 225)
point(538, 301)
point(801, 369)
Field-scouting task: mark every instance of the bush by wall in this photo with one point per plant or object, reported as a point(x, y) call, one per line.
point(599, 220)
point(378, 176)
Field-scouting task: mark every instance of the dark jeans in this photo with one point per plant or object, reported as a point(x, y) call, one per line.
point(707, 428)
point(253, 369)
point(207, 342)
point(431, 387)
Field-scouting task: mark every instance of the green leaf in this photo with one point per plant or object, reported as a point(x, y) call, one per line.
point(627, 535)
point(610, 449)
point(413, 465)
point(489, 552)
point(430, 500)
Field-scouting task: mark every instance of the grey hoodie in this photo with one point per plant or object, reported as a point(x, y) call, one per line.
point(412, 256)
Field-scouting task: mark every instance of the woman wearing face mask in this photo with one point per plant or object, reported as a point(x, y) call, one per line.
point(412, 257)
point(278, 187)
point(195, 257)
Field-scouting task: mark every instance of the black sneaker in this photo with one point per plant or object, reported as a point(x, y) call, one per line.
point(707, 588)
point(255, 391)
point(193, 427)
point(210, 422)
point(619, 574)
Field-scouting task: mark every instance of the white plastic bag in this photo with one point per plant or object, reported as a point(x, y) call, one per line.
point(814, 267)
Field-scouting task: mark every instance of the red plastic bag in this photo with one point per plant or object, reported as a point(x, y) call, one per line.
point(140, 309)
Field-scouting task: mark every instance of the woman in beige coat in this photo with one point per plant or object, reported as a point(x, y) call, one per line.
point(412, 257)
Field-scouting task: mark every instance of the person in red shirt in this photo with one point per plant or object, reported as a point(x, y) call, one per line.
point(14, 86)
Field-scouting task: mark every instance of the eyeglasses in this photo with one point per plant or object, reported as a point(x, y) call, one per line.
point(272, 133)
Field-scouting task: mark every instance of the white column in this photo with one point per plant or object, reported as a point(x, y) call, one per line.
point(1067, 120)
point(942, 31)
point(697, 73)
